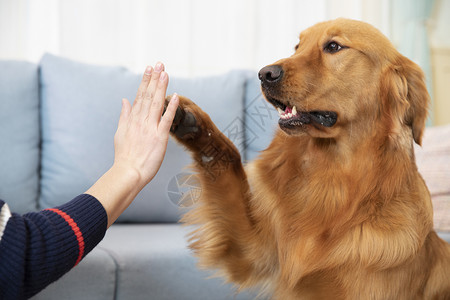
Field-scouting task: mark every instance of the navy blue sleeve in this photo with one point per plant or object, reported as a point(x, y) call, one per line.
point(38, 248)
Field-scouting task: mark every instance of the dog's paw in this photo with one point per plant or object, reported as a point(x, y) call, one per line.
point(184, 126)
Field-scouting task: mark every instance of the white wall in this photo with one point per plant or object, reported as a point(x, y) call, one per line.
point(193, 37)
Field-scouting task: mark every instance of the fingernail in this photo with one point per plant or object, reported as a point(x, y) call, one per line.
point(159, 67)
point(148, 70)
point(174, 97)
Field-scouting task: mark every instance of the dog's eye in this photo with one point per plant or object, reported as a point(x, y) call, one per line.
point(332, 47)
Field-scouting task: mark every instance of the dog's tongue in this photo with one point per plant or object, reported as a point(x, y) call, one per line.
point(288, 110)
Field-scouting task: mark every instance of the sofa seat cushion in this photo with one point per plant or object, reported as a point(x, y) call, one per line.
point(154, 262)
point(19, 132)
point(93, 278)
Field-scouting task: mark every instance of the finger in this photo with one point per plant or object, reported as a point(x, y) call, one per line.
point(157, 104)
point(150, 92)
point(167, 118)
point(144, 84)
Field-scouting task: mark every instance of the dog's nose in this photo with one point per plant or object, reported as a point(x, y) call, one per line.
point(271, 74)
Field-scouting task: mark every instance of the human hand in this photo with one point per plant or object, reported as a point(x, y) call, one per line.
point(140, 143)
point(142, 134)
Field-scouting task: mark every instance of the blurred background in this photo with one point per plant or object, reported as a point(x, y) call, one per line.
point(205, 37)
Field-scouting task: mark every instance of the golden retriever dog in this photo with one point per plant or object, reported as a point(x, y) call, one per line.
point(335, 207)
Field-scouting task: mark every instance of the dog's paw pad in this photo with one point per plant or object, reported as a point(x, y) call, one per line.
point(187, 128)
point(184, 124)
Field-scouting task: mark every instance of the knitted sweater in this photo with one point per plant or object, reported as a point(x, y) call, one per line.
point(39, 247)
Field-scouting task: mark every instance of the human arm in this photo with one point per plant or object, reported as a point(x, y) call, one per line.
point(38, 248)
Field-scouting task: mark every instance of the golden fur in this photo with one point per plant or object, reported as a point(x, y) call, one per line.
point(336, 212)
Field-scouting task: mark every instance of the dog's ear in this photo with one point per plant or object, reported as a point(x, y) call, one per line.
point(405, 97)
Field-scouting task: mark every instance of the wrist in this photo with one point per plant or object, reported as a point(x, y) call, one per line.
point(128, 174)
point(116, 189)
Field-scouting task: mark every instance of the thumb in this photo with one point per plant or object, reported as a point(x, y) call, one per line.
point(125, 112)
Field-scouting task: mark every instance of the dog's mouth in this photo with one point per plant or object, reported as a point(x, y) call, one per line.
point(290, 117)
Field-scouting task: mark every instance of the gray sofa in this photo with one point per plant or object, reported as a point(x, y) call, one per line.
point(57, 122)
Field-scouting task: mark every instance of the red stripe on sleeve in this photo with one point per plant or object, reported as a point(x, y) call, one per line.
point(75, 229)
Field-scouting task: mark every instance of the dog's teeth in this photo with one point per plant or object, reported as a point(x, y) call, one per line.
point(294, 110)
point(280, 111)
point(289, 115)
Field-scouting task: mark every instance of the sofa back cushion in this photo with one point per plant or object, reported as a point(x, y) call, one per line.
point(19, 132)
point(80, 109)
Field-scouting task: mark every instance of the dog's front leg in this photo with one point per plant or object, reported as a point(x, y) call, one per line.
point(223, 212)
point(214, 154)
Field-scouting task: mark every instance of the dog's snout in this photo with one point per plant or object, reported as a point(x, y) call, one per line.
point(271, 74)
